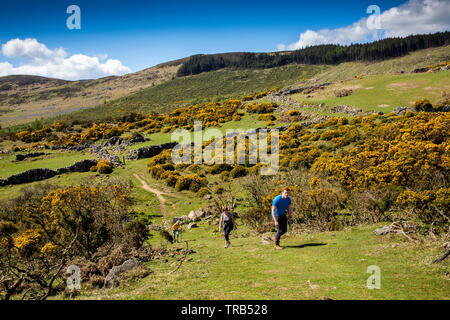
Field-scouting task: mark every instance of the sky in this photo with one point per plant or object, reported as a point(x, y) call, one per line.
point(118, 37)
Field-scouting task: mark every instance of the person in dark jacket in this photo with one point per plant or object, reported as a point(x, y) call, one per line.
point(227, 220)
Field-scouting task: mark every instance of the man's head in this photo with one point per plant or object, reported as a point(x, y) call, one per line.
point(285, 193)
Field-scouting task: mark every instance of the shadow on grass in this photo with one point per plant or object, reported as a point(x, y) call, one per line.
point(306, 245)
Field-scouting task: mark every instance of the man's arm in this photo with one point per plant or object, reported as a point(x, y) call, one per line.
point(274, 216)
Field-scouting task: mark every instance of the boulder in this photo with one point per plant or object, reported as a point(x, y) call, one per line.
point(113, 277)
point(265, 240)
point(199, 213)
point(184, 218)
point(402, 110)
point(192, 215)
point(192, 225)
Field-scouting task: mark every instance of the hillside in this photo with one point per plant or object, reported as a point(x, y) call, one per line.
point(99, 188)
point(25, 98)
point(321, 258)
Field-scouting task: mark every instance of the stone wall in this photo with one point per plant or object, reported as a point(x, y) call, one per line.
point(43, 174)
point(150, 151)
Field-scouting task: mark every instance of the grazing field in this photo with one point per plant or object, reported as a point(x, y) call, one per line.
point(383, 92)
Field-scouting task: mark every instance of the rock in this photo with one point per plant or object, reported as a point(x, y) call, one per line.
point(113, 277)
point(105, 155)
point(113, 141)
point(192, 225)
point(402, 110)
point(266, 240)
point(184, 218)
point(419, 70)
point(192, 215)
point(199, 213)
point(207, 197)
point(153, 227)
point(346, 109)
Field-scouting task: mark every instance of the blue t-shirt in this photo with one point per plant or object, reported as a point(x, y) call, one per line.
point(281, 205)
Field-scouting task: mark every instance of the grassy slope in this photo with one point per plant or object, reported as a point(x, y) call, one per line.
point(207, 86)
point(418, 59)
point(32, 97)
point(383, 92)
point(249, 269)
point(335, 261)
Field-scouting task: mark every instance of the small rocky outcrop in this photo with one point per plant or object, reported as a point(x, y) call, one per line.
point(105, 155)
point(402, 110)
point(113, 277)
point(346, 109)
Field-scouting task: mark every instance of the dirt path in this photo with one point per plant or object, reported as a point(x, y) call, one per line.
point(162, 201)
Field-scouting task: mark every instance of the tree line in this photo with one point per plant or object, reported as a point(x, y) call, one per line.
point(320, 54)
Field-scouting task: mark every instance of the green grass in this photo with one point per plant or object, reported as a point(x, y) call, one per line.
point(337, 262)
point(384, 92)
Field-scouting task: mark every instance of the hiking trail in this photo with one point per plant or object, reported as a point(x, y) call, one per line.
point(158, 193)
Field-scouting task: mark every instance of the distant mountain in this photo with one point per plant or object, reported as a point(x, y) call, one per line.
point(24, 97)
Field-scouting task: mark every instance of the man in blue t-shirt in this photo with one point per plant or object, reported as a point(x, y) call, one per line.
point(280, 207)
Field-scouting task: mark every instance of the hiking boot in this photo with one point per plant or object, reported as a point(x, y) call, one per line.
point(278, 247)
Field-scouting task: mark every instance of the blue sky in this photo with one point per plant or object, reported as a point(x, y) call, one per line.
point(141, 34)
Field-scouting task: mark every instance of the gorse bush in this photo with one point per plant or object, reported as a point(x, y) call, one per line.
point(104, 167)
point(40, 237)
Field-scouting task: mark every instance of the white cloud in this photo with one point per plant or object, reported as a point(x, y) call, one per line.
point(39, 60)
point(412, 17)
